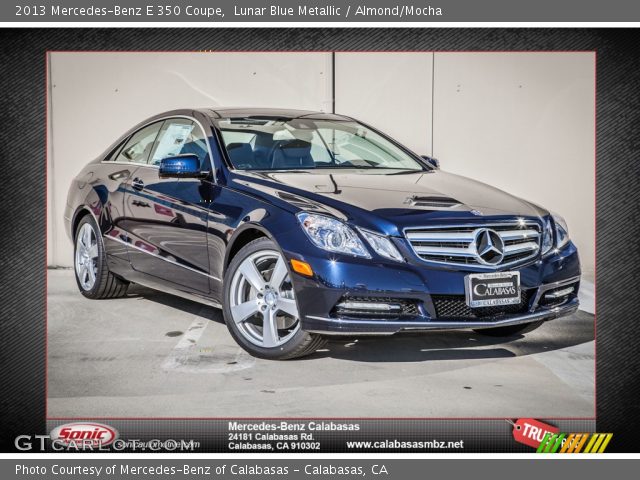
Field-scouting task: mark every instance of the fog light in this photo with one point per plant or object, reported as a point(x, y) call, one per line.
point(303, 268)
point(554, 295)
point(367, 306)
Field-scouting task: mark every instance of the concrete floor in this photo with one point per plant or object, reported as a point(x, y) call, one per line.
point(154, 355)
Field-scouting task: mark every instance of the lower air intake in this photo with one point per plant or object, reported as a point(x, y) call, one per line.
point(454, 307)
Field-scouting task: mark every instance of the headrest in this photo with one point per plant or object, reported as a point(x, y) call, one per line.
point(295, 148)
point(240, 153)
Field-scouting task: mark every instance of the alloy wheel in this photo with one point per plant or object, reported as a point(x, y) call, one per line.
point(86, 261)
point(262, 300)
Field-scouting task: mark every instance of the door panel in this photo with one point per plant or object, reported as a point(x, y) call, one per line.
point(166, 224)
point(167, 218)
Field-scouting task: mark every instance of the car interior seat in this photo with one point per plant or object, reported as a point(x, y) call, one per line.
point(241, 155)
point(292, 154)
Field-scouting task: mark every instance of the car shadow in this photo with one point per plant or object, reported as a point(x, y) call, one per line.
point(461, 344)
point(415, 347)
point(188, 306)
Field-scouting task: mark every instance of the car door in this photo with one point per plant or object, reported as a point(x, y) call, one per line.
point(167, 218)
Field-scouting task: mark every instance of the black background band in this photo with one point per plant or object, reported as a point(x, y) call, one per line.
point(23, 188)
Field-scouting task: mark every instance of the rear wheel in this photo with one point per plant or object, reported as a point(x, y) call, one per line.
point(90, 264)
point(509, 331)
point(260, 307)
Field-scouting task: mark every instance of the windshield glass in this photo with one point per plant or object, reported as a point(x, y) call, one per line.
point(301, 143)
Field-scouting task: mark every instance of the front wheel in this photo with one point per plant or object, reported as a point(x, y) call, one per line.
point(509, 331)
point(260, 307)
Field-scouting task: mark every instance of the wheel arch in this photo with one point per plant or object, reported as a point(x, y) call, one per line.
point(243, 236)
point(78, 215)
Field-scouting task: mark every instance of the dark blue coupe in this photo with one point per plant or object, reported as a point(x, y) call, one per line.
point(301, 225)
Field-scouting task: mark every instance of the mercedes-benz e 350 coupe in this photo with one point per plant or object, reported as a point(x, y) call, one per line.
point(301, 225)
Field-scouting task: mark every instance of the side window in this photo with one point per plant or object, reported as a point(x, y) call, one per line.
point(137, 149)
point(111, 156)
point(181, 136)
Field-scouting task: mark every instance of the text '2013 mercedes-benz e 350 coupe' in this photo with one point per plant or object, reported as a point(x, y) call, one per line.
point(301, 225)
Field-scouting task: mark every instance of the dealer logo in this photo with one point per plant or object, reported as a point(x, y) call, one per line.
point(95, 434)
point(489, 246)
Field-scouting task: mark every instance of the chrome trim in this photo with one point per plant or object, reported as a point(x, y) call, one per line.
point(162, 119)
point(466, 236)
point(520, 247)
point(375, 307)
point(397, 326)
point(530, 236)
point(179, 293)
point(559, 293)
point(519, 234)
point(550, 286)
point(458, 251)
point(160, 257)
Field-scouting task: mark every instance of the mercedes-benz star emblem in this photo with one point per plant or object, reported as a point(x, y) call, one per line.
point(489, 247)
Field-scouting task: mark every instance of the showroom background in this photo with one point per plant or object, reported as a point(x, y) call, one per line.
point(523, 122)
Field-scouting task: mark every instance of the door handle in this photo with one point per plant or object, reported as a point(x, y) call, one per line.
point(137, 184)
point(120, 174)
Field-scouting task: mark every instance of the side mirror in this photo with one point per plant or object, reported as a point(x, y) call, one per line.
point(434, 162)
point(181, 166)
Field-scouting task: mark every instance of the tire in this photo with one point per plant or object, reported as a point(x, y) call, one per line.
point(509, 331)
point(93, 277)
point(251, 297)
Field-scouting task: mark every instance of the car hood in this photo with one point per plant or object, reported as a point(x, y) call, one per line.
point(389, 200)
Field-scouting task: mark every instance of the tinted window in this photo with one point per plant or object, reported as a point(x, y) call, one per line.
point(181, 136)
point(262, 143)
point(139, 146)
point(112, 154)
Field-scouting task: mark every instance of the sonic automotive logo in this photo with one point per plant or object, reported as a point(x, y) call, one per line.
point(94, 434)
point(71, 436)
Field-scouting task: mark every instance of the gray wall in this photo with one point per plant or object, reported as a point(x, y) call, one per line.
point(523, 122)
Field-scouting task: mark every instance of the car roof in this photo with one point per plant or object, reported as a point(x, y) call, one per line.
point(285, 113)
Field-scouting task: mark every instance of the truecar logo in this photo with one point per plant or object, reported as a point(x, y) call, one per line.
point(546, 438)
point(574, 443)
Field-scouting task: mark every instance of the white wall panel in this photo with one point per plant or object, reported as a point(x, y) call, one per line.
point(389, 91)
point(95, 97)
point(523, 122)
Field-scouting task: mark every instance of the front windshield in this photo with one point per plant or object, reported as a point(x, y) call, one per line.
point(302, 143)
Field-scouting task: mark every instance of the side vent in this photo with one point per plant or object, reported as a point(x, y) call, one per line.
point(433, 202)
point(299, 202)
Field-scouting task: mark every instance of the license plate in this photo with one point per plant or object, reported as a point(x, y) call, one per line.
point(491, 289)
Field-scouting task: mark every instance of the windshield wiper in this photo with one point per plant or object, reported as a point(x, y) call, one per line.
point(407, 170)
point(367, 167)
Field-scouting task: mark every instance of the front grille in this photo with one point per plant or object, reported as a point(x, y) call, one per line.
point(450, 307)
point(456, 244)
point(408, 308)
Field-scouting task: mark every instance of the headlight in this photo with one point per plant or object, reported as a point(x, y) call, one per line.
point(547, 236)
point(562, 231)
point(382, 245)
point(332, 235)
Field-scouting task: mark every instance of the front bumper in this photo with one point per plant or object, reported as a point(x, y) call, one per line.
point(346, 326)
point(337, 280)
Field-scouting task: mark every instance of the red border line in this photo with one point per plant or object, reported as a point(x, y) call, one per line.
point(47, 418)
